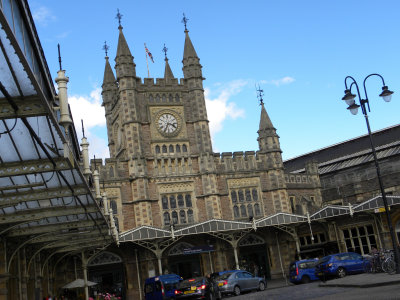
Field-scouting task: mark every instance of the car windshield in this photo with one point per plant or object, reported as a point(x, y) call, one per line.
point(224, 276)
point(191, 282)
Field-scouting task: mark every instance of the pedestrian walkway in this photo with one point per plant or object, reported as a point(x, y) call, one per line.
point(365, 280)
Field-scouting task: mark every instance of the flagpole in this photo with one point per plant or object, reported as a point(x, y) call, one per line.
point(147, 62)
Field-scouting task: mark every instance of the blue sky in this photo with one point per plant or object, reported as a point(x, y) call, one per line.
point(299, 52)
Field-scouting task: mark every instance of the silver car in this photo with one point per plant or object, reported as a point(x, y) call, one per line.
point(237, 281)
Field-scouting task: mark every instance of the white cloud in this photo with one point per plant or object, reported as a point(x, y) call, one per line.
point(280, 81)
point(219, 108)
point(42, 15)
point(89, 109)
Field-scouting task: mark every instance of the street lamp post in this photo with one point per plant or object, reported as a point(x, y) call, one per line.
point(349, 98)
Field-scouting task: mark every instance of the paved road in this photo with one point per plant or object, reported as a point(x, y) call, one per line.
point(313, 291)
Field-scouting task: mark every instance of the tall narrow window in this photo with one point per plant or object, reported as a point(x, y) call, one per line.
point(174, 217)
point(178, 148)
point(188, 199)
point(158, 149)
point(255, 195)
point(236, 212)
point(248, 195)
point(182, 216)
point(250, 210)
point(164, 149)
point(172, 201)
point(164, 201)
point(171, 149)
point(241, 196)
point(166, 219)
point(181, 203)
point(184, 148)
point(234, 196)
point(176, 98)
point(243, 211)
point(257, 210)
point(170, 99)
point(190, 216)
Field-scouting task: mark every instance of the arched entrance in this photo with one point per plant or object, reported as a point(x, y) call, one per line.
point(186, 266)
point(253, 255)
point(106, 268)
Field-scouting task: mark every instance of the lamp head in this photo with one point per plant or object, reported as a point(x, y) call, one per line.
point(353, 108)
point(349, 97)
point(386, 94)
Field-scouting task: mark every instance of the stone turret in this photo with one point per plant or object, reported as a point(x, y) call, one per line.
point(268, 140)
point(124, 64)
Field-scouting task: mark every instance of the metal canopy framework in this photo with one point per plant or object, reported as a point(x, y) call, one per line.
point(44, 198)
point(282, 221)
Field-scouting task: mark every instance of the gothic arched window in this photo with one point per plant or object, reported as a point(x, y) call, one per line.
point(111, 172)
point(164, 149)
point(241, 196)
point(151, 98)
point(177, 98)
point(188, 199)
point(182, 216)
point(164, 201)
point(172, 201)
point(158, 150)
point(166, 219)
point(248, 195)
point(171, 149)
point(234, 196)
point(164, 98)
point(171, 99)
point(190, 216)
point(178, 148)
point(236, 212)
point(257, 210)
point(243, 211)
point(250, 210)
point(181, 203)
point(184, 148)
point(157, 98)
point(174, 217)
point(255, 195)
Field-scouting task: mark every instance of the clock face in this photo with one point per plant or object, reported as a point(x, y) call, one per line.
point(167, 124)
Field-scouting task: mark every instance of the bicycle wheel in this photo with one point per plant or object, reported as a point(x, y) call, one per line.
point(389, 266)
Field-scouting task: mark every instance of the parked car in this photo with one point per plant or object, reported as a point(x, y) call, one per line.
point(237, 281)
point(198, 288)
point(161, 287)
point(303, 271)
point(340, 265)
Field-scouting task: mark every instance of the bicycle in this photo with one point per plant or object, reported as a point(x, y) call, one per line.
point(388, 264)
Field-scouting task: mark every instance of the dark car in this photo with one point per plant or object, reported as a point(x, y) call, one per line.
point(198, 288)
point(303, 271)
point(161, 287)
point(340, 265)
point(237, 281)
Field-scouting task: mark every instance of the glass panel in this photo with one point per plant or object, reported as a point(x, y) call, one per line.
point(7, 11)
point(158, 149)
point(188, 200)
point(184, 148)
point(182, 216)
point(164, 149)
point(233, 196)
point(166, 218)
point(361, 230)
point(151, 98)
point(243, 211)
point(114, 207)
point(171, 149)
point(346, 233)
point(255, 195)
point(257, 210)
point(370, 229)
point(18, 26)
point(241, 196)
point(236, 212)
point(248, 195)
point(164, 201)
point(164, 98)
point(322, 237)
point(181, 203)
point(172, 201)
point(171, 99)
point(177, 98)
point(190, 216)
point(157, 98)
point(174, 217)
point(178, 148)
point(250, 210)
point(354, 232)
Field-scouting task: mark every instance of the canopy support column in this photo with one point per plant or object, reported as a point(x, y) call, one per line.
point(84, 266)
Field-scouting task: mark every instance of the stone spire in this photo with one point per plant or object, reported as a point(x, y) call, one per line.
point(109, 77)
point(168, 72)
point(268, 140)
point(189, 49)
point(124, 57)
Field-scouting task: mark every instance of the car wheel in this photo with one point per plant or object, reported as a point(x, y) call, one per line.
point(341, 272)
point(261, 286)
point(236, 290)
point(305, 279)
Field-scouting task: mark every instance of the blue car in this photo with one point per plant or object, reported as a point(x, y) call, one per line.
point(161, 287)
point(340, 264)
point(303, 271)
